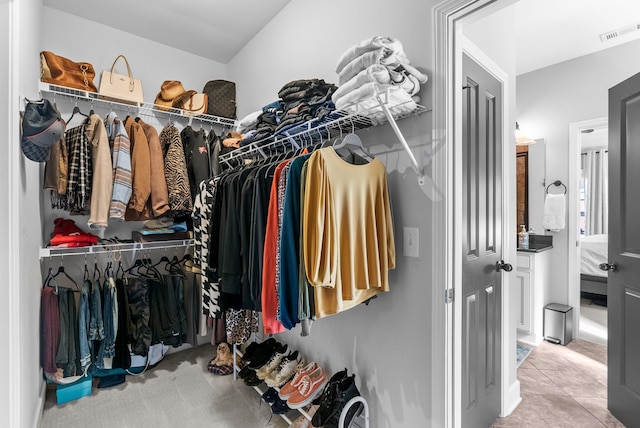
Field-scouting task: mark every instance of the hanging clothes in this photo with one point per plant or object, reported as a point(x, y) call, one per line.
point(80, 170)
point(175, 172)
point(158, 203)
point(102, 173)
point(49, 330)
point(347, 232)
point(197, 157)
point(56, 172)
point(121, 164)
point(140, 171)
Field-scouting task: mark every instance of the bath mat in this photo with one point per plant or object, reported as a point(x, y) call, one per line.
point(523, 352)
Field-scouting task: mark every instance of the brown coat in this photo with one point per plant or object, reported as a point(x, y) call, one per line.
point(140, 171)
point(102, 184)
point(158, 204)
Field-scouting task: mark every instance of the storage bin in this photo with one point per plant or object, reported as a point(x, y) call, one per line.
point(558, 323)
point(73, 391)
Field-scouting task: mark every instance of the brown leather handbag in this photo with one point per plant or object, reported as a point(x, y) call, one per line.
point(64, 72)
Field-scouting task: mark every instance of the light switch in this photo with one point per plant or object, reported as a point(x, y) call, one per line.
point(411, 242)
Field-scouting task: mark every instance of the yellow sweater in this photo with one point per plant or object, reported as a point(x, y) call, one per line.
point(347, 231)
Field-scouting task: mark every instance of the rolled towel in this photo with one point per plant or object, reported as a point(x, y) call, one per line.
point(363, 99)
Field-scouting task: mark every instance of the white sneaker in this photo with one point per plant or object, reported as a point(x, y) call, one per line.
point(284, 371)
point(271, 365)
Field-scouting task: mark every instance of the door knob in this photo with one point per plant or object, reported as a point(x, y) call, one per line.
point(504, 266)
point(611, 266)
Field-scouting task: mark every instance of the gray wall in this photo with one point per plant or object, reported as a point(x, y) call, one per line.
point(551, 98)
point(388, 344)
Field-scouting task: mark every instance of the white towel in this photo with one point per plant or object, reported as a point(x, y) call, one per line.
point(554, 212)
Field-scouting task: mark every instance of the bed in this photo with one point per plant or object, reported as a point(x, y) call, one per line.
point(593, 251)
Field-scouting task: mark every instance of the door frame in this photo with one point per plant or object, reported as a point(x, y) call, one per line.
point(449, 43)
point(573, 207)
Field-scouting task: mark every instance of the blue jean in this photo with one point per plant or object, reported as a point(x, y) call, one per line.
point(83, 326)
point(96, 326)
point(107, 346)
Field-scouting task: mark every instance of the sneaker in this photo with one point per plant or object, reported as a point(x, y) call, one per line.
point(285, 370)
point(292, 386)
point(310, 386)
point(280, 407)
point(335, 379)
point(329, 413)
point(273, 362)
point(270, 395)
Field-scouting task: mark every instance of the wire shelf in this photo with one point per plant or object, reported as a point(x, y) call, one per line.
point(311, 131)
point(106, 248)
point(52, 92)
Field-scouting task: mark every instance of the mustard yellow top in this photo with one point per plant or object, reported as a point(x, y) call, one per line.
point(347, 231)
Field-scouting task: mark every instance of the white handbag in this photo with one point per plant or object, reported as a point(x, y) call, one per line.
point(119, 87)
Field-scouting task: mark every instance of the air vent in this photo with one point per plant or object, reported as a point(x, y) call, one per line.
point(611, 35)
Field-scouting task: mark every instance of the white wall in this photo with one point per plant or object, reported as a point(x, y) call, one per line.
point(25, 183)
point(152, 62)
point(388, 344)
point(551, 98)
point(5, 246)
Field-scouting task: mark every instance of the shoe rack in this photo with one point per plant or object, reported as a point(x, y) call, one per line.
point(361, 419)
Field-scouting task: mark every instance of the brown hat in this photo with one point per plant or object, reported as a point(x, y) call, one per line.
point(169, 91)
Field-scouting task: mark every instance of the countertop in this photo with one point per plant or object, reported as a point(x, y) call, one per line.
point(538, 244)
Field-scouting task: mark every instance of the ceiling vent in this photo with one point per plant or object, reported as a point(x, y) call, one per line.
point(611, 35)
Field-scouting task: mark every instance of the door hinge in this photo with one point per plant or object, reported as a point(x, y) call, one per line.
point(448, 295)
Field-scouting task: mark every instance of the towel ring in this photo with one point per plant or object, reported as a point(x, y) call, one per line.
point(557, 183)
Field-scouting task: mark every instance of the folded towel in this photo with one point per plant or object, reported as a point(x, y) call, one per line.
point(390, 44)
point(554, 212)
point(381, 56)
point(378, 74)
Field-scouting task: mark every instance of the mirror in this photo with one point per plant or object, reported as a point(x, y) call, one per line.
point(530, 179)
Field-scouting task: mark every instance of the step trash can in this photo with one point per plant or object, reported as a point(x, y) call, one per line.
point(558, 323)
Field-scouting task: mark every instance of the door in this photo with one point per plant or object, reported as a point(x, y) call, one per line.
point(481, 245)
point(624, 252)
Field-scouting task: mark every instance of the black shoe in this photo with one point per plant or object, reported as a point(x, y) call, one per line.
point(244, 372)
point(252, 380)
point(263, 355)
point(270, 396)
point(345, 391)
point(250, 349)
point(337, 377)
point(279, 407)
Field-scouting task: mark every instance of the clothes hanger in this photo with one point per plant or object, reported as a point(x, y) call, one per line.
point(352, 139)
point(76, 109)
point(62, 279)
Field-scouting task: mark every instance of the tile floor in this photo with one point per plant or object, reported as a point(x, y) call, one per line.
point(563, 386)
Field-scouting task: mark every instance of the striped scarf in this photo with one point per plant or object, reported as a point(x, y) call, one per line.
point(80, 170)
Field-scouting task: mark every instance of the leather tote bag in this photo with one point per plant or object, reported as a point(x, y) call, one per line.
point(64, 72)
point(221, 96)
point(120, 87)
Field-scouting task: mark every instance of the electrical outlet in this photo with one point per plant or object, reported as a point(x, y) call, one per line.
point(411, 242)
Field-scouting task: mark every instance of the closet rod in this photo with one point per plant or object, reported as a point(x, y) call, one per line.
point(52, 92)
point(111, 248)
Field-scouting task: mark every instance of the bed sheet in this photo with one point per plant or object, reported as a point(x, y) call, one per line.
point(593, 251)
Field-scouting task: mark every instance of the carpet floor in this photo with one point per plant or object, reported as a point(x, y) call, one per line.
point(178, 392)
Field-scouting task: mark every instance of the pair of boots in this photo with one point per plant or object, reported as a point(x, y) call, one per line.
point(339, 390)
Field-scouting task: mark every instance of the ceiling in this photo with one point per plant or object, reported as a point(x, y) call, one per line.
point(549, 31)
point(553, 31)
point(214, 29)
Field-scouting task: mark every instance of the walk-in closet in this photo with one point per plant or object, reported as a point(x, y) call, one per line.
point(316, 179)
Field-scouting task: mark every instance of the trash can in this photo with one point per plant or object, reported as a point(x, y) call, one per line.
point(558, 323)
